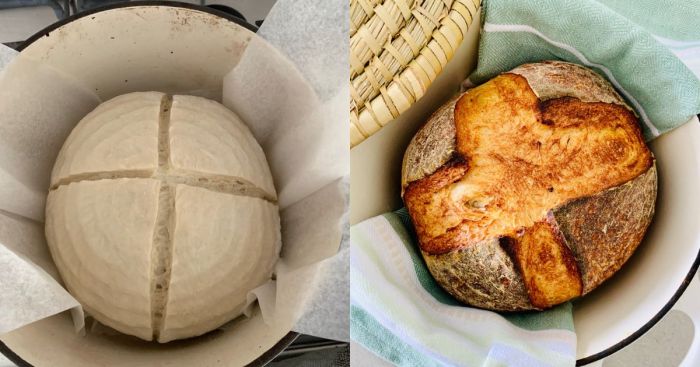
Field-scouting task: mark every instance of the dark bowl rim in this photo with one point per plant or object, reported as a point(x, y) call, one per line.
point(289, 338)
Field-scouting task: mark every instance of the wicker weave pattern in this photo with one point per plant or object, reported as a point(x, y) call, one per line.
point(397, 53)
point(360, 11)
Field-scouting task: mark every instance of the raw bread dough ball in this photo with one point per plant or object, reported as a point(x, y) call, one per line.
point(162, 215)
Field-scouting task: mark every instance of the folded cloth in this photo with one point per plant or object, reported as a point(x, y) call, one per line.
point(400, 313)
point(650, 51)
point(625, 41)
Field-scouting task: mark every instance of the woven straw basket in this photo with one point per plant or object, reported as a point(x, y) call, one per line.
point(397, 49)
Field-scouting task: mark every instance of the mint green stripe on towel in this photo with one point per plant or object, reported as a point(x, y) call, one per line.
point(375, 337)
point(401, 224)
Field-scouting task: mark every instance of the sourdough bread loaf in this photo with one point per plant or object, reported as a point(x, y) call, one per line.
point(162, 215)
point(531, 189)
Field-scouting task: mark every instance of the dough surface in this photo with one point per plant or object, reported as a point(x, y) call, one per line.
point(162, 215)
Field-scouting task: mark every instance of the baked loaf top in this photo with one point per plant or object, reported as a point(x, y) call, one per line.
point(505, 187)
point(162, 215)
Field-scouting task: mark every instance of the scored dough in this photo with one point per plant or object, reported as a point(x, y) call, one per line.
point(161, 216)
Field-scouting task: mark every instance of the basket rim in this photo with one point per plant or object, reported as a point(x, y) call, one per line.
point(377, 99)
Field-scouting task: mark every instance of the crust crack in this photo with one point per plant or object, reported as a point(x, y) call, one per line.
point(104, 175)
point(161, 248)
point(226, 184)
point(164, 133)
point(161, 257)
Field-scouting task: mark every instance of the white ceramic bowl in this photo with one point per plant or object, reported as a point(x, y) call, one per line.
point(157, 46)
point(632, 301)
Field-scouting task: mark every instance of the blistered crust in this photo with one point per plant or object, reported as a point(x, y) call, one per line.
point(523, 158)
point(544, 260)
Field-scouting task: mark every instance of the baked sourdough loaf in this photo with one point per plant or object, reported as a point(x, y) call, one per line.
point(531, 189)
point(162, 215)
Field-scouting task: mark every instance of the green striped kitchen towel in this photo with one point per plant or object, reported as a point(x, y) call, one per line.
point(648, 49)
point(400, 313)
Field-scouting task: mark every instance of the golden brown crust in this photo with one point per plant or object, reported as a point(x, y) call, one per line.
point(487, 276)
point(524, 158)
point(434, 143)
point(428, 198)
point(548, 267)
point(513, 158)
